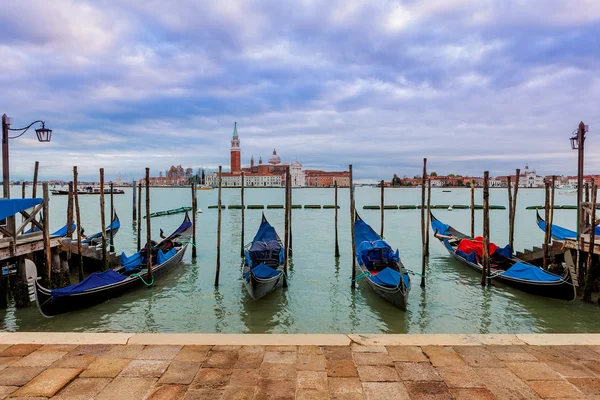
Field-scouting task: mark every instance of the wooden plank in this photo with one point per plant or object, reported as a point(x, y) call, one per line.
point(26, 248)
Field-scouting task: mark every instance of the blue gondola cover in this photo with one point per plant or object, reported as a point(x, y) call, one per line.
point(95, 280)
point(470, 257)
point(9, 207)
point(162, 257)
point(367, 240)
point(530, 273)
point(263, 271)
point(132, 262)
point(560, 233)
point(439, 227)
point(389, 277)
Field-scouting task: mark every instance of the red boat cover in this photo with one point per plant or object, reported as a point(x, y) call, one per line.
point(476, 245)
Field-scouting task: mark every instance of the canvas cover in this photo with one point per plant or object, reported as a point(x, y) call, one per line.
point(61, 232)
point(390, 278)
point(95, 280)
point(439, 227)
point(530, 272)
point(114, 226)
point(132, 262)
point(263, 271)
point(369, 245)
point(265, 248)
point(560, 233)
point(475, 245)
point(162, 256)
point(9, 207)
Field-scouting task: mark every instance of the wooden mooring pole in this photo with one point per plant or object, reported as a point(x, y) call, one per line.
point(112, 218)
point(586, 216)
point(428, 217)
point(139, 218)
point(337, 247)
point(423, 252)
point(243, 215)
point(485, 271)
point(289, 211)
point(589, 276)
point(34, 187)
point(23, 189)
point(148, 227)
point(78, 217)
point(352, 216)
point(510, 210)
point(134, 203)
point(286, 228)
point(194, 205)
point(511, 228)
point(103, 221)
point(70, 212)
point(47, 248)
point(218, 271)
point(473, 208)
point(382, 206)
point(547, 219)
point(551, 220)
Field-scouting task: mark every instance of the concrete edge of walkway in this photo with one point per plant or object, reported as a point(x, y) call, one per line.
point(297, 339)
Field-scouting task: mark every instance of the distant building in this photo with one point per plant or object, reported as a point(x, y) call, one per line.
point(529, 179)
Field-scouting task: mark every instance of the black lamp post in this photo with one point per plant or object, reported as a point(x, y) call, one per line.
point(43, 135)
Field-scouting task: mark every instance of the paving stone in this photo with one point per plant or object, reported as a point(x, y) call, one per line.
point(105, 368)
point(18, 376)
point(127, 389)
point(280, 357)
point(68, 361)
point(588, 386)
point(555, 389)
point(580, 353)
point(341, 368)
point(276, 389)
point(357, 348)
point(83, 388)
point(278, 371)
point(6, 390)
point(58, 347)
point(472, 394)
point(504, 384)
point(373, 359)
point(478, 356)
point(511, 353)
point(204, 394)
point(460, 376)
point(312, 380)
point(40, 358)
point(407, 353)
point(380, 373)
point(427, 390)
point(546, 353)
point(19, 350)
point(4, 347)
point(531, 371)
point(319, 350)
point(220, 359)
point(128, 351)
point(239, 393)
point(180, 372)
point(249, 360)
point(193, 353)
point(412, 371)
point(48, 383)
point(442, 356)
point(8, 361)
point(168, 392)
point(339, 386)
point(252, 349)
point(96, 350)
point(226, 347)
point(311, 362)
point(303, 394)
point(385, 390)
point(159, 352)
point(145, 369)
point(212, 377)
point(572, 369)
point(244, 377)
point(338, 353)
point(282, 348)
point(349, 396)
point(591, 365)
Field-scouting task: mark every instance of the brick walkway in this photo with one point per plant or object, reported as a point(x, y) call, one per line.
point(299, 372)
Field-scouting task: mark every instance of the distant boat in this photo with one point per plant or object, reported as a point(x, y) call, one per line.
point(204, 187)
point(88, 190)
point(446, 191)
point(450, 208)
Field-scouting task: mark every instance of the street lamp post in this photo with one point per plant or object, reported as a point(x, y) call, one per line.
point(577, 141)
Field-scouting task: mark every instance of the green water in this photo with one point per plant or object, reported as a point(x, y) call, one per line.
point(319, 298)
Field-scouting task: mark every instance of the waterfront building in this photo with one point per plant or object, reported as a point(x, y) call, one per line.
point(318, 178)
point(529, 178)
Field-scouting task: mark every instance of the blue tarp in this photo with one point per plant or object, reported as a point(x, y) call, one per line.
point(132, 262)
point(439, 227)
point(266, 233)
point(504, 251)
point(530, 273)
point(114, 226)
point(61, 232)
point(263, 271)
point(95, 280)
point(471, 257)
point(9, 207)
point(162, 257)
point(182, 228)
point(366, 240)
point(390, 277)
point(560, 233)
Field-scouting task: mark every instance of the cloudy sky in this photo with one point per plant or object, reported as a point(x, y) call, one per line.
point(470, 84)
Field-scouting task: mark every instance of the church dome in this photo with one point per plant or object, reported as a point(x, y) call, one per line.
point(274, 158)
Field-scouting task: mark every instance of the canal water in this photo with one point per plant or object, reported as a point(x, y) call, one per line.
point(319, 298)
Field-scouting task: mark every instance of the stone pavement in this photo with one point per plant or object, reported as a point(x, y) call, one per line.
point(305, 372)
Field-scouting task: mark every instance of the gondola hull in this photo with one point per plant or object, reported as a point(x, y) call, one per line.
point(258, 288)
point(397, 296)
point(54, 306)
point(562, 290)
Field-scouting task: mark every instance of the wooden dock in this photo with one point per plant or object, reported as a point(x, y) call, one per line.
point(23, 245)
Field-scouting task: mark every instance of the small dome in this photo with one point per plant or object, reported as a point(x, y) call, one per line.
point(274, 158)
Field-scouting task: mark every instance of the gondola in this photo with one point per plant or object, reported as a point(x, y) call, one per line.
point(558, 232)
point(380, 266)
point(101, 286)
point(62, 232)
point(504, 267)
point(96, 238)
point(263, 262)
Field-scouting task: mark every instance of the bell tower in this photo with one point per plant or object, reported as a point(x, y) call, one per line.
point(235, 151)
